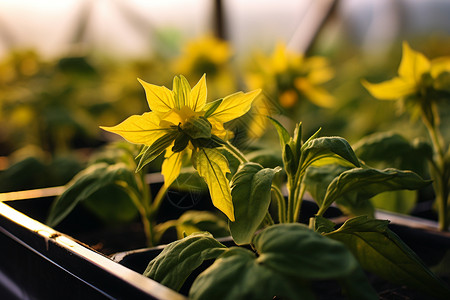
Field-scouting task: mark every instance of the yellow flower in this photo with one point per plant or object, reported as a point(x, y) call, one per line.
point(289, 77)
point(181, 122)
point(413, 75)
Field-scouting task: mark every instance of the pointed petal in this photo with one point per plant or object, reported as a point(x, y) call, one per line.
point(212, 166)
point(413, 64)
point(440, 65)
point(181, 91)
point(234, 106)
point(392, 89)
point(197, 98)
point(159, 98)
point(315, 94)
point(171, 166)
point(144, 129)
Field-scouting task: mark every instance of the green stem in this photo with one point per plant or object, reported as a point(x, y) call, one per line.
point(430, 116)
point(145, 217)
point(268, 219)
point(158, 200)
point(291, 200)
point(299, 201)
point(281, 204)
point(236, 152)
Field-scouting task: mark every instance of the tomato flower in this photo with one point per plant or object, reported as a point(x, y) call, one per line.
point(181, 123)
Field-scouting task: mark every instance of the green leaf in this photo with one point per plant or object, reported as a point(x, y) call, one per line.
point(283, 134)
point(295, 250)
point(370, 182)
point(197, 128)
point(88, 182)
point(238, 275)
point(317, 180)
point(212, 166)
point(402, 201)
point(194, 221)
point(181, 142)
point(178, 259)
point(250, 191)
point(321, 224)
point(112, 205)
point(381, 251)
point(289, 159)
point(389, 149)
point(325, 147)
point(211, 107)
point(151, 152)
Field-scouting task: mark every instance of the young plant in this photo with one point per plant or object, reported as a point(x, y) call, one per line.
point(182, 125)
point(423, 85)
point(284, 259)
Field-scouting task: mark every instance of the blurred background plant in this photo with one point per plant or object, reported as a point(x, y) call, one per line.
point(67, 67)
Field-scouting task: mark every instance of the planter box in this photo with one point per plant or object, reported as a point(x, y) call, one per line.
point(39, 262)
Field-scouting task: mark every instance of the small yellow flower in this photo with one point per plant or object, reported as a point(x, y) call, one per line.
point(181, 122)
point(412, 75)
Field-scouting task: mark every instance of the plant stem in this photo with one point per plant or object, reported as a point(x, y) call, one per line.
point(268, 219)
point(299, 201)
point(236, 152)
point(145, 217)
point(439, 168)
point(158, 199)
point(281, 203)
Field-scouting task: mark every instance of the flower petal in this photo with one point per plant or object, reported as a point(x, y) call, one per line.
point(197, 98)
point(159, 98)
point(440, 65)
point(234, 106)
point(392, 89)
point(212, 166)
point(315, 94)
point(181, 91)
point(171, 166)
point(413, 64)
point(144, 129)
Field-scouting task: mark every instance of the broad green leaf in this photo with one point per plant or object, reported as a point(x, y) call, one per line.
point(295, 250)
point(151, 152)
point(88, 182)
point(194, 221)
point(283, 134)
point(321, 225)
point(402, 201)
point(197, 128)
point(389, 149)
point(317, 180)
point(178, 259)
point(112, 205)
point(212, 166)
point(212, 106)
point(238, 275)
point(381, 251)
point(370, 182)
point(250, 191)
point(324, 147)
